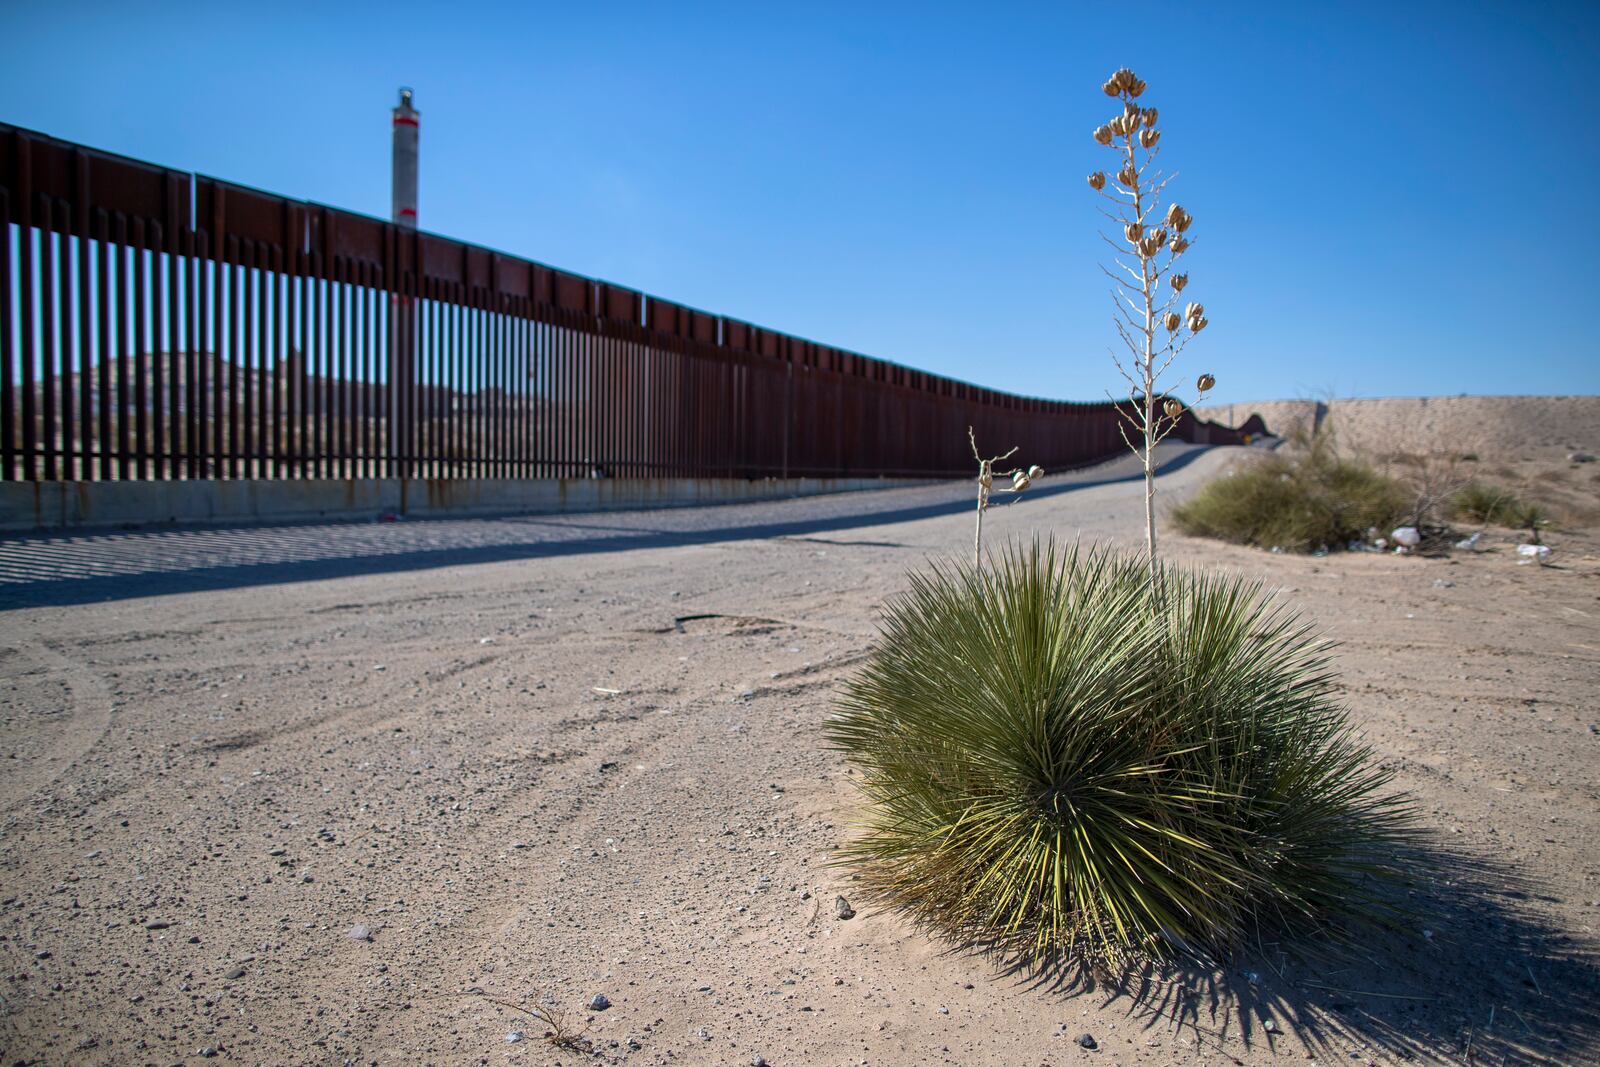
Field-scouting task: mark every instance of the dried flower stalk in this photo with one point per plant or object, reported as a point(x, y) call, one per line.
point(1020, 480)
point(1146, 289)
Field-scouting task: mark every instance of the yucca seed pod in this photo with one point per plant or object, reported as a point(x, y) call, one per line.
point(1148, 138)
point(1128, 176)
point(1102, 134)
point(1020, 481)
point(1178, 246)
point(1194, 311)
point(1172, 407)
point(1136, 89)
point(1150, 246)
point(986, 479)
point(1149, 116)
point(1174, 213)
point(1185, 222)
point(1179, 281)
point(1130, 108)
point(1205, 383)
point(1097, 180)
point(1035, 472)
point(1133, 231)
point(1124, 79)
point(1199, 324)
point(1172, 321)
point(1110, 88)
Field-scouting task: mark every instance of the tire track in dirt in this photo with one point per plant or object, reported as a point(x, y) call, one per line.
point(86, 719)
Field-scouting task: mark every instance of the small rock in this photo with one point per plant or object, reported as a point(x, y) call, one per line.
point(599, 1002)
point(360, 932)
point(758, 1060)
point(513, 1037)
point(237, 972)
point(1088, 1041)
point(207, 1052)
point(1443, 583)
point(1580, 457)
point(1270, 1027)
point(845, 910)
point(42, 954)
point(157, 924)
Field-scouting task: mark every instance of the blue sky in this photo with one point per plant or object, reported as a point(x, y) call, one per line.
point(1391, 199)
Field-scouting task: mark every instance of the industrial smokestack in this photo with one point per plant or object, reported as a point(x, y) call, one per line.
point(405, 162)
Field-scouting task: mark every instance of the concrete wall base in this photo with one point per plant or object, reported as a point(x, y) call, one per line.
point(68, 505)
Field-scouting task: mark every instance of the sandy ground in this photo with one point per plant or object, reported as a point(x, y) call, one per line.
point(568, 757)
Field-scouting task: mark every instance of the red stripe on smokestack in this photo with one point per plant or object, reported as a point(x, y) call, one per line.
point(406, 133)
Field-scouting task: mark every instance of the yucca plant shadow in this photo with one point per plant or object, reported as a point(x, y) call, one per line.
point(1475, 972)
point(1145, 788)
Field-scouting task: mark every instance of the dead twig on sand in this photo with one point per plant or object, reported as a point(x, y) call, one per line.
point(558, 1033)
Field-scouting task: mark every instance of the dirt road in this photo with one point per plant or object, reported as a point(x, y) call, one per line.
point(357, 794)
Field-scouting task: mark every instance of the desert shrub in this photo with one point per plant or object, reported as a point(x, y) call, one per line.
point(1052, 765)
point(1496, 506)
point(1483, 503)
point(1298, 500)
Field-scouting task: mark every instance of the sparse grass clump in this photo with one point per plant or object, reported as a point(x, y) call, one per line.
point(1295, 500)
point(1052, 765)
point(1495, 506)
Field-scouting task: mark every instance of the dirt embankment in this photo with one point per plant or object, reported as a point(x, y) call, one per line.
point(1522, 444)
point(1502, 427)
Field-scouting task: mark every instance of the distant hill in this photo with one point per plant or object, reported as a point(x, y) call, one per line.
point(1499, 426)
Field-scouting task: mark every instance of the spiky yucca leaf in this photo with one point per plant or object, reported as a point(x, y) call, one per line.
point(1051, 762)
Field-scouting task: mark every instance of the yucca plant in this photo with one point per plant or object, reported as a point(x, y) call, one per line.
point(1051, 766)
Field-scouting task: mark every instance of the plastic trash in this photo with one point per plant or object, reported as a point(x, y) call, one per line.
point(1470, 543)
point(1406, 536)
point(1533, 553)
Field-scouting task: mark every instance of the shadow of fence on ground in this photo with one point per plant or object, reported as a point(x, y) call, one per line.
point(38, 570)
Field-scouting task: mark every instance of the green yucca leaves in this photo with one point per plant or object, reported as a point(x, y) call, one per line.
point(1052, 763)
